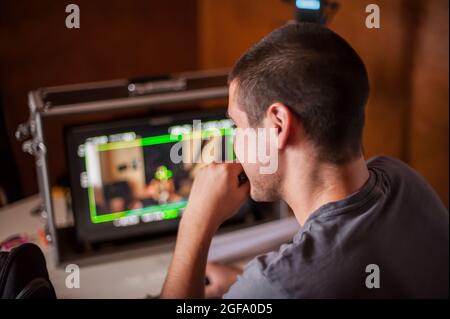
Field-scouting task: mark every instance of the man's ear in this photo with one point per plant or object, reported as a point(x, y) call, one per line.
point(279, 116)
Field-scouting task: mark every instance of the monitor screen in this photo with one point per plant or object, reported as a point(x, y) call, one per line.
point(134, 177)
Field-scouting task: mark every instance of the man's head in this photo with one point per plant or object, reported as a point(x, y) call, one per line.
point(308, 83)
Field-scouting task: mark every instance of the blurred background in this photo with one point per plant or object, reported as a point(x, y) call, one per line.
point(407, 60)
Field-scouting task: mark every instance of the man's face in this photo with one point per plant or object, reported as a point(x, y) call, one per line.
point(263, 187)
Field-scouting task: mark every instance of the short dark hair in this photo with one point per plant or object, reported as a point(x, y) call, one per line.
point(315, 73)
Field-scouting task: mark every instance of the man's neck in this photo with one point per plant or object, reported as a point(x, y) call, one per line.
point(311, 184)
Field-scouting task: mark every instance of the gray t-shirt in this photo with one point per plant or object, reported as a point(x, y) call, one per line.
point(392, 234)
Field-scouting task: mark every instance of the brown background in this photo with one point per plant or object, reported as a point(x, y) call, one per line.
point(407, 59)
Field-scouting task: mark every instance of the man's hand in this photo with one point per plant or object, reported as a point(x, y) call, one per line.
point(220, 277)
point(215, 196)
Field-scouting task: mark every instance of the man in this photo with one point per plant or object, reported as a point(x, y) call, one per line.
point(373, 229)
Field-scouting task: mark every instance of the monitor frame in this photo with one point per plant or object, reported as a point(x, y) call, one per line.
point(103, 232)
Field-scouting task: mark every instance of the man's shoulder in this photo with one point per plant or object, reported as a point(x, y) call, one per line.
point(394, 168)
point(389, 164)
point(400, 177)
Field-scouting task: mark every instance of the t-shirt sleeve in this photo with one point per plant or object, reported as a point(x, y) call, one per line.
point(252, 283)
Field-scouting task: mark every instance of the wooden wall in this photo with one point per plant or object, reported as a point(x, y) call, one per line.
point(117, 39)
point(429, 100)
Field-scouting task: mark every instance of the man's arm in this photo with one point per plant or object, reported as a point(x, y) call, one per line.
point(215, 196)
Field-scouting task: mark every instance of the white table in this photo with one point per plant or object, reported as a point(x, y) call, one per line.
point(142, 275)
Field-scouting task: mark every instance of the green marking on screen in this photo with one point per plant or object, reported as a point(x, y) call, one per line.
point(171, 214)
point(164, 139)
point(169, 211)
